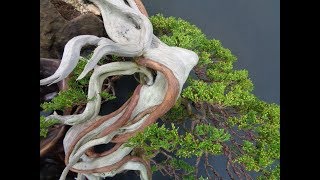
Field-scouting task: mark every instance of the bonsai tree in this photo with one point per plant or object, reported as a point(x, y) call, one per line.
point(161, 124)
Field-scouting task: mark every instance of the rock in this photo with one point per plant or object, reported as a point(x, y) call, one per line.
point(81, 25)
point(65, 9)
point(84, 6)
point(50, 23)
point(60, 22)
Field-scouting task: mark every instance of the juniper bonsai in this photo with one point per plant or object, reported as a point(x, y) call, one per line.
point(215, 114)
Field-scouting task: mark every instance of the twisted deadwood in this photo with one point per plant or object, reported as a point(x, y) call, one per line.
point(131, 35)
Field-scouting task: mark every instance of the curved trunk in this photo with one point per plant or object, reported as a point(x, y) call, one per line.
point(131, 36)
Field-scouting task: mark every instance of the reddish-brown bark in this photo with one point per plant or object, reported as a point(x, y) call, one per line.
point(168, 101)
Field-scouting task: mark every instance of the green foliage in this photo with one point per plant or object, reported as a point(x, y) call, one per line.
point(80, 84)
point(186, 145)
point(106, 96)
point(213, 134)
point(264, 120)
point(177, 32)
point(154, 138)
point(181, 165)
point(75, 95)
point(227, 86)
point(224, 89)
point(45, 124)
point(77, 92)
point(154, 169)
point(200, 91)
point(271, 174)
point(115, 58)
point(177, 113)
point(65, 99)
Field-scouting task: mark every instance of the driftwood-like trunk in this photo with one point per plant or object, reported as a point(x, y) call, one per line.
point(131, 35)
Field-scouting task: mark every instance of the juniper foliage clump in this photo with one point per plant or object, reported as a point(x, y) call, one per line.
point(45, 125)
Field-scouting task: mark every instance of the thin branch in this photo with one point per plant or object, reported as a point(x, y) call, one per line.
point(197, 167)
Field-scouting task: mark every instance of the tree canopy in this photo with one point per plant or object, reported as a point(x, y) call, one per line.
point(216, 115)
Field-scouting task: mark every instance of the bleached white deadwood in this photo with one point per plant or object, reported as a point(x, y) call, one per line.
point(96, 80)
point(131, 35)
point(82, 7)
